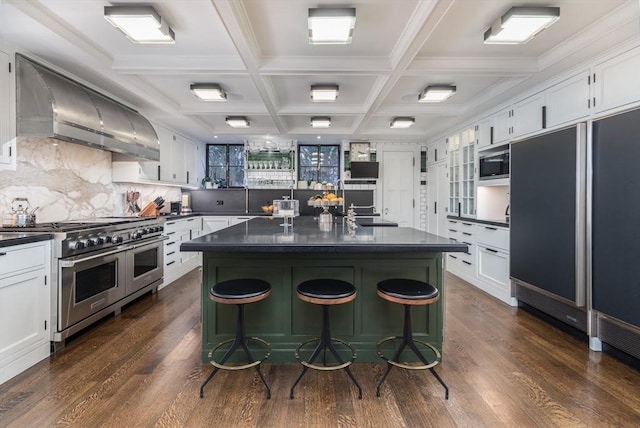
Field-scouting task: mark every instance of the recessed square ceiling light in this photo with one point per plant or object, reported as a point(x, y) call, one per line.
point(320, 122)
point(324, 93)
point(141, 24)
point(521, 24)
point(237, 121)
point(402, 122)
point(331, 25)
point(436, 93)
point(208, 92)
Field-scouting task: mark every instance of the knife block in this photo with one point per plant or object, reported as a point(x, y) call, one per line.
point(149, 210)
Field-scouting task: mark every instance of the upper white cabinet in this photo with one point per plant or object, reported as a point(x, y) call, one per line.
point(179, 163)
point(568, 100)
point(7, 127)
point(462, 172)
point(617, 81)
point(437, 152)
point(501, 125)
point(484, 133)
point(527, 115)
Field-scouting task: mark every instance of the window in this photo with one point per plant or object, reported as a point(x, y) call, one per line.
point(319, 163)
point(225, 164)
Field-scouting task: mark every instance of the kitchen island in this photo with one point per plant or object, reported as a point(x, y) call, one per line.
point(261, 248)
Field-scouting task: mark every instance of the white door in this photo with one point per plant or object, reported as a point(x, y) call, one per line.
point(397, 188)
point(437, 199)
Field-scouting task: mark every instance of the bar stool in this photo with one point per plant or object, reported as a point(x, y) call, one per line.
point(409, 292)
point(239, 292)
point(326, 292)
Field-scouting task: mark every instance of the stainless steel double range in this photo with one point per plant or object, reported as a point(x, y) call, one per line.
point(98, 266)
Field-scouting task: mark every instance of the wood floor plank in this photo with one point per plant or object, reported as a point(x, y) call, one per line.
point(504, 367)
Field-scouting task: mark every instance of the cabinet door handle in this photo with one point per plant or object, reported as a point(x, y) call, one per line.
point(435, 207)
point(172, 252)
point(491, 228)
point(491, 250)
point(464, 261)
point(467, 233)
point(170, 263)
point(544, 117)
point(3, 254)
point(453, 257)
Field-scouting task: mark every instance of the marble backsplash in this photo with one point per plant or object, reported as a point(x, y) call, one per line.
point(69, 181)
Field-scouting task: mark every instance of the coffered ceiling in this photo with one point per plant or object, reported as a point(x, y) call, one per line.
point(258, 51)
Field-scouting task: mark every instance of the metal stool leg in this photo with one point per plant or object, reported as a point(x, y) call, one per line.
point(239, 341)
point(325, 343)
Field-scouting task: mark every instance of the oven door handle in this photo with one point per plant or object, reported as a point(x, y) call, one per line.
point(144, 244)
point(72, 263)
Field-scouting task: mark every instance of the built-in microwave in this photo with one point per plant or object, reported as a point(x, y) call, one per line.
point(494, 164)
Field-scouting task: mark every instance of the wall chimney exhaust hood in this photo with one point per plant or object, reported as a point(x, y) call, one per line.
point(52, 105)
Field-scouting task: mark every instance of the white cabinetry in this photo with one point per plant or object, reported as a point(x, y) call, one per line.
point(176, 262)
point(25, 297)
point(486, 264)
point(7, 126)
point(527, 115)
point(484, 133)
point(462, 172)
point(437, 152)
point(501, 125)
point(568, 100)
point(617, 81)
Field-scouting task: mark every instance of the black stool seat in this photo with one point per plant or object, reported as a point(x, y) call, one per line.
point(327, 289)
point(407, 289)
point(409, 293)
point(240, 289)
point(326, 292)
point(239, 292)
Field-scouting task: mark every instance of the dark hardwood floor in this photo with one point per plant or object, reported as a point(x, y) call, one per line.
point(504, 367)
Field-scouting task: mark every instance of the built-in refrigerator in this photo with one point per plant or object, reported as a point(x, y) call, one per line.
point(548, 224)
point(615, 231)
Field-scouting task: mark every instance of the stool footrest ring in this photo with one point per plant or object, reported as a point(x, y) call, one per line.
point(408, 366)
point(326, 368)
point(242, 367)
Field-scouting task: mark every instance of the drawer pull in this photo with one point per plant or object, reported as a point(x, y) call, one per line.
point(453, 230)
point(491, 228)
point(466, 262)
point(467, 224)
point(467, 233)
point(491, 250)
point(171, 253)
point(170, 263)
point(453, 257)
point(170, 243)
point(3, 254)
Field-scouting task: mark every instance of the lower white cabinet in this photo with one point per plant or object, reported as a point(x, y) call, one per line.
point(486, 263)
point(177, 263)
point(25, 296)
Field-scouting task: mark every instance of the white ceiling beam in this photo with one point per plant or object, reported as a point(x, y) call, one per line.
point(178, 64)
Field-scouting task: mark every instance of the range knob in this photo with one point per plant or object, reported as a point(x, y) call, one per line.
point(99, 240)
point(118, 239)
point(77, 245)
point(108, 239)
point(91, 242)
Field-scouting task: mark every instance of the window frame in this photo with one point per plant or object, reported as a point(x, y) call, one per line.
point(319, 165)
point(227, 166)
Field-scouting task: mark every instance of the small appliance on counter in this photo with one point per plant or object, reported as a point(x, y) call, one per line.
point(186, 204)
point(21, 214)
point(287, 209)
point(175, 208)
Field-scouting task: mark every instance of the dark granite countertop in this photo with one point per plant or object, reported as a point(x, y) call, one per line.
point(494, 222)
point(8, 239)
point(266, 235)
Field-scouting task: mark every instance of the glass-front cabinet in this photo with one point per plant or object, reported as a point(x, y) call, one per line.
point(462, 173)
point(269, 164)
point(454, 173)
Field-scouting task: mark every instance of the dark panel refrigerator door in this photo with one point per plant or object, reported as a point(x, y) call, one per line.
point(616, 216)
point(547, 205)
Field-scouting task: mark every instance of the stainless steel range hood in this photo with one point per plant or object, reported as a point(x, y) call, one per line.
point(52, 105)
